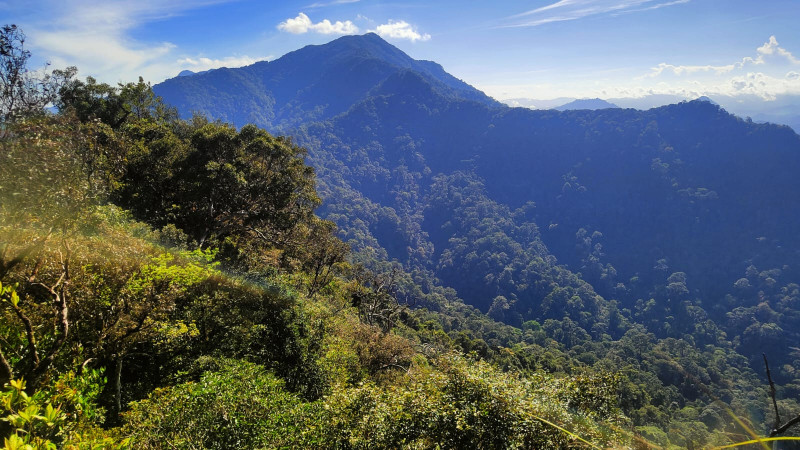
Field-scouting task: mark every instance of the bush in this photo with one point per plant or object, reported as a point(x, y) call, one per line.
point(239, 406)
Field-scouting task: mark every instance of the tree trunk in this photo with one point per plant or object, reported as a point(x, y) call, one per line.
point(118, 387)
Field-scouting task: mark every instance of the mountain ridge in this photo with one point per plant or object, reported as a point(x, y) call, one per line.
point(606, 222)
point(586, 103)
point(312, 83)
point(780, 110)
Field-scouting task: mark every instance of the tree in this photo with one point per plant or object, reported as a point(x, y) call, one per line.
point(248, 184)
point(92, 100)
point(22, 92)
point(322, 253)
point(38, 354)
point(114, 106)
point(376, 298)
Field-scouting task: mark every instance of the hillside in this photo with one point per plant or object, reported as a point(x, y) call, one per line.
point(673, 221)
point(166, 283)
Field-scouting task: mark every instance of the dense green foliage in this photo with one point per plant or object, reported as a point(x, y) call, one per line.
point(658, 243)
point(216, 360)
point(165, 283)
point(497, 227)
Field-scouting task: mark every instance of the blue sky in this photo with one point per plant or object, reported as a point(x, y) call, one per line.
point(533, 49)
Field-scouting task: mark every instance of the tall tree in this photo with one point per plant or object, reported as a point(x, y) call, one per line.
point(22, 91)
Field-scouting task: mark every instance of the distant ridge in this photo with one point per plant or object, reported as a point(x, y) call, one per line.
point(188, 73)
point(782, 110)
point(586, 103)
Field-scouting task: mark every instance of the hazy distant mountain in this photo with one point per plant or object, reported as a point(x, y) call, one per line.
point(783, 109)
point(537, 104)
point(313, 83)
point(706, 99)
point(586, 103)
point(188, 73)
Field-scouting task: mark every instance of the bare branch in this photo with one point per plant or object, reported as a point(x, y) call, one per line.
point(782, 429)
point(395, 366)
point(772, 394)
point(26, 322)
point(85, 365)
point(777, 428)
point(59, 292)
point(7, 373)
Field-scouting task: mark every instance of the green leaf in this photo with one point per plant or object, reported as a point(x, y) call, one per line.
point(17, 384)
point(14, 442)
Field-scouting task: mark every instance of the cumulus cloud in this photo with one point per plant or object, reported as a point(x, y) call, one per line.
point(763, 85)
point(303, 24)
point(769, 49)
point(738, 78)
point(772, 47)
point(400, 30)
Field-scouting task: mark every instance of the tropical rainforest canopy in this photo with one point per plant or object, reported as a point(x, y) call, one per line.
point(417, 266)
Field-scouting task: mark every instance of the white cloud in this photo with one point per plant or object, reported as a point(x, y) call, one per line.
point(394, 29)
point(303, 24)
point(198, 64)
point(763, 85)
point(565, 10)
point(769, 75)
point(95, 36)
point(770, 49)
point(400, 30)
point(689, 70)
point(657, 6)
point(332, 3)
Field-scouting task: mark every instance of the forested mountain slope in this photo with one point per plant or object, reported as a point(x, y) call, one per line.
point(685, 205)
point(227, 317)
point(655, 242)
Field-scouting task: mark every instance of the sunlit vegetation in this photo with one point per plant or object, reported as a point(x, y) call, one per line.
point(167, 283)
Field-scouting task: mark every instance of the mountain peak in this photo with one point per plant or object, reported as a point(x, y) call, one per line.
point(313, 83)
point(372, 35)
point(367, 38)
point(707, 100)
point(364, 45)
